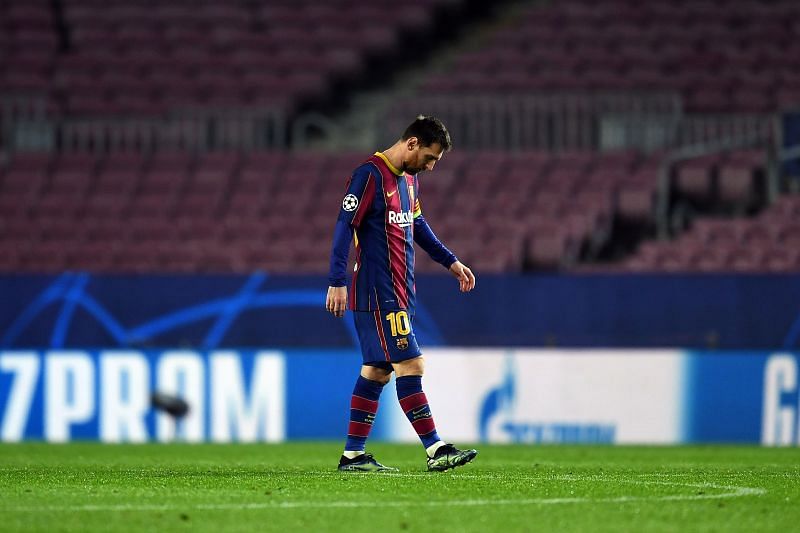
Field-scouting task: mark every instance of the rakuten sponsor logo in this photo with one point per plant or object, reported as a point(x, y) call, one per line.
point(401, 218)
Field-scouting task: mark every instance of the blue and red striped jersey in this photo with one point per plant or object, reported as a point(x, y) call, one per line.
point(382, 208)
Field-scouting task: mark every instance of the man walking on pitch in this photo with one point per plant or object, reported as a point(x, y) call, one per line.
point(382, 207)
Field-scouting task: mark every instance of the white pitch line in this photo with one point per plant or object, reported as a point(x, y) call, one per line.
point(732, 492)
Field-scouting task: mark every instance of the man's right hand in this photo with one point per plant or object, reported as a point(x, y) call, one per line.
point(336, 302)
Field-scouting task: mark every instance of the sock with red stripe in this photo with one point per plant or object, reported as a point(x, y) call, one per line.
point(363, 406)
point(415, 406)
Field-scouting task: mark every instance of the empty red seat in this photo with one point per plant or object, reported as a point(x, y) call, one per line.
point(759, 234)
point(117, 180)
point(709, 261)
point(181, 257)
point(9, 259)
point(153, 205)
point(93, 256)
point(200, 228)
point(744, 260)
point(721, 231)
point(736, 185)
point(22, 182)
point(694, 178)
point(789, 235)
point(135, 258)
point(636, 197)
point(44, 258)
point(549, 247)
point(106, 205)
point(199, 204)
point(780, 260)
point(164, 182)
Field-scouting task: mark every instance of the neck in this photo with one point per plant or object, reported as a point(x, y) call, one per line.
point(395, 155)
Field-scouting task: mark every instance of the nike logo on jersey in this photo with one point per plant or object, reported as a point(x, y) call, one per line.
point(390, 194)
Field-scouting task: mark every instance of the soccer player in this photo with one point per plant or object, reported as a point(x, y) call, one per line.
point(382, 207)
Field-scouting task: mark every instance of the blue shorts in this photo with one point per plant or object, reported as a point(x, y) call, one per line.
point(386, 337)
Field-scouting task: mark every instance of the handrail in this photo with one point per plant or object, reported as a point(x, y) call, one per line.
point(542, 121)
point(551, 121)
point(193, 129)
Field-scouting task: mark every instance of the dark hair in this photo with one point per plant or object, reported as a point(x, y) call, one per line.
point(429, 130)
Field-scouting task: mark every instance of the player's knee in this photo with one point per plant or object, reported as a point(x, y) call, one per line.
point(372, 373)
point(412, 367)
point(383, 379)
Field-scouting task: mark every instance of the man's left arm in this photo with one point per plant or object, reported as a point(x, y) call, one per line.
point(427, 240)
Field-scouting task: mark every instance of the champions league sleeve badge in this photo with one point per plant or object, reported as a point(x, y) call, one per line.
point(350, 202)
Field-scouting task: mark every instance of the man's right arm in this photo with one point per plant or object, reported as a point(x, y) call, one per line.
point(336, 301)
point(342, 235)
point(357, 201)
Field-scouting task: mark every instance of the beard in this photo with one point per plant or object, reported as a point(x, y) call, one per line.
point(410, 169)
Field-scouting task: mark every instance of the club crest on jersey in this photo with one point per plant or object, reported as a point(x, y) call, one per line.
point(402, 218)
point(350, 202)
point(402, 343)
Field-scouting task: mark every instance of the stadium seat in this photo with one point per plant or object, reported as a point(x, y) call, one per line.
point(694, 178)
point(549, 247)
point(636, 197)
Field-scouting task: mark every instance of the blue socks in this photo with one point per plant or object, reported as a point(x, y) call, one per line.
point(363, 406)
point(415, 406)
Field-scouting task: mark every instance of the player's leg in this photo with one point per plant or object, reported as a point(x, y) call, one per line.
point(363, 407)
point(441, 456)
point(414, 402)
point(375, 373)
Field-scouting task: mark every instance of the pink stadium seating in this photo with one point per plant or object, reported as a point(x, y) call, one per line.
point(767, 243)
point(734, 180)
point(146, 58)
point(177, 211)
point(720, 56)
point(276, 210)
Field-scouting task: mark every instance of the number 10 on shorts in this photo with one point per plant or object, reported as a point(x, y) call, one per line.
point(399, 323)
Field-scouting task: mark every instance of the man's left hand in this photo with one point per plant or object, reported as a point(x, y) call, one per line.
point(466, 279)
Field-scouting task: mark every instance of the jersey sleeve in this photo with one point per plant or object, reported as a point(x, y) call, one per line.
point(359, 197)
point(356, 203)
point(342, 235)
point(427, 240)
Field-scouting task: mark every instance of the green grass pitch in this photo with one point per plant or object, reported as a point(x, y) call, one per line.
point(85, 487)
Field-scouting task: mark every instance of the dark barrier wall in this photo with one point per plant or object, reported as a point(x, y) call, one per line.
point(207, 312)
